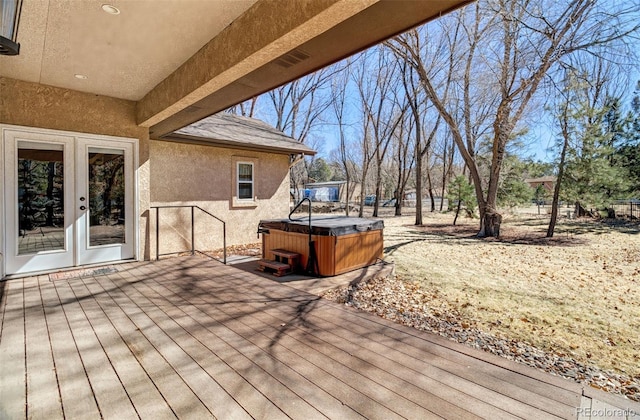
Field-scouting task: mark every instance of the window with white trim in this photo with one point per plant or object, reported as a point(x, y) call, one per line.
point(244, 181)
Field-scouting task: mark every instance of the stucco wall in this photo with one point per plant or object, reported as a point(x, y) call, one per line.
point(35, 105)
point(205, 176)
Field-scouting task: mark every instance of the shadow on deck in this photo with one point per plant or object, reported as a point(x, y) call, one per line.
point(189, 337)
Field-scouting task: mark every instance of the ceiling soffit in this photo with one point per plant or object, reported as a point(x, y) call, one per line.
point(266, 31)
point(165, 111)
point(122, 56)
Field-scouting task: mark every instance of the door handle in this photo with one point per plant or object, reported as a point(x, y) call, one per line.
point(83, 208)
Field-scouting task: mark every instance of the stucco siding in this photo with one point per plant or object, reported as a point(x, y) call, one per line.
point(36, 105)
point(186, 174)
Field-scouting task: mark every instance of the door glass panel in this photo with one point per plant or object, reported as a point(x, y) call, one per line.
point(40, 199)
point(106, 197)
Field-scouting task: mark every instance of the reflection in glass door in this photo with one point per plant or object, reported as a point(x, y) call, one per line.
point(106, 199)
point(104, 188)
point(40, 200)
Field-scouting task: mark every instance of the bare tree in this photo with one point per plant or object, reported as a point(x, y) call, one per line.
point(381, 109)
point(404, 160)
point(510, 45)
point(338, 102)
point(563, 122)
point(246, 108)
point(448, 149)
point(419, 108)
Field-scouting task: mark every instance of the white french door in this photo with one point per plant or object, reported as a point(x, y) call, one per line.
point(38, 208)
point(104, 201)
point(68, 200)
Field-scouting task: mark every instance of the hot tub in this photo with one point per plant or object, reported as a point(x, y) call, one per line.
point(341, 243)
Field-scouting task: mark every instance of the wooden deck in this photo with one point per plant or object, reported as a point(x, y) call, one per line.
point(191, 338)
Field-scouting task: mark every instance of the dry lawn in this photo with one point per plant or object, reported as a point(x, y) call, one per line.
point(577, 294)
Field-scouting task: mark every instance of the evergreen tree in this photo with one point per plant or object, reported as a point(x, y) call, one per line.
point(628, 154)
point(319, 170)
point(628, 157)
point(462, 194)
point(513, 191)
point(592, 180)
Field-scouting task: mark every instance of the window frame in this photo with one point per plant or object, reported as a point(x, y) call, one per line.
point(239, 181)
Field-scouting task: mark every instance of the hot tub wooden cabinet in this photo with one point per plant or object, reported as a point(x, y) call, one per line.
point(342, 243)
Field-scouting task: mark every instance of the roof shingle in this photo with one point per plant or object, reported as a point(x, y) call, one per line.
point(239, 132)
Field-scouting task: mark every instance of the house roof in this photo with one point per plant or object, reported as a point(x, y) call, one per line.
point(237, 132)
point(324, 184)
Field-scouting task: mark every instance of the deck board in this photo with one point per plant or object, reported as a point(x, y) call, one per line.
point(13, 395)
point(144, 396)
point(348, 367)
point(77, 397)
point(43, 395)
point(462, 372)
point(245, 334)
point(110, 394)
point(499, 382)
point(403, 388)
point(222, 371)
point(512, 384)
point(203, 392)
point(227, 343)
point(170, 385)
point(437, 391)
point(518, 382)
point(476, 394)
point(192, 338)
point(281, 295)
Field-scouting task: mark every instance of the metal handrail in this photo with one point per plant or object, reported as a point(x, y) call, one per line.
point(312, 260)
point(193, 241)
point(296, 208)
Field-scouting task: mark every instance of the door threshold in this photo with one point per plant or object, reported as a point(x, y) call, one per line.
point(67, 272)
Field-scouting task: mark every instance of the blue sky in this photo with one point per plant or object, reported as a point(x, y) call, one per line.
point(540, 139)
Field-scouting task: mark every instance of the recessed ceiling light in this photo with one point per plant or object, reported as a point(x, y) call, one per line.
point(112, 10)
point(80, 76)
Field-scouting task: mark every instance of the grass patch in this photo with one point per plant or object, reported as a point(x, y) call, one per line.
point(577, 294)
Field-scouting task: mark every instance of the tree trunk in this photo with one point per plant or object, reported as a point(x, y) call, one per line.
point(347, 193)
point(430, 188)
point(556, 188)
point(455, 219)
point(363, 182)
point(398, 205)
point(376, 203)
point(442, 192)
point(418, 191)
point(446, 172)
point(491, 223)
point(554, 210)
point(490, 218)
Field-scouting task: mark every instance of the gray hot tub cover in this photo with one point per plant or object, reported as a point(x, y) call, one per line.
point(323, 225)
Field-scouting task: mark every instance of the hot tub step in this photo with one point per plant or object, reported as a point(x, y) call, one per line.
point(287, 257)
point(279, 269)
